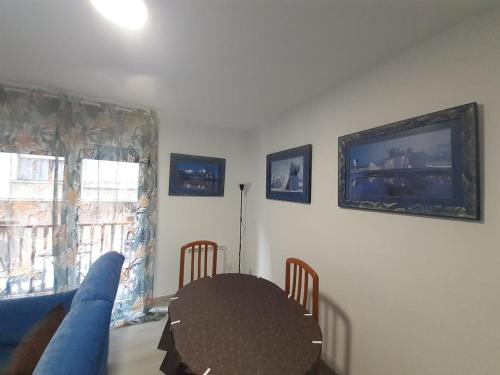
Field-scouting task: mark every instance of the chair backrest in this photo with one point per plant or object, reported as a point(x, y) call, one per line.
point(196, 249)
point(297, 283)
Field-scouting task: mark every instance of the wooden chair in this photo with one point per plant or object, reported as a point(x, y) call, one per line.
point(197, 248)
point(300, 285)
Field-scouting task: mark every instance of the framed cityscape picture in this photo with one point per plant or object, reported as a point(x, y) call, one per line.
point(192, 175)
point(288, 175)
point(427, 165)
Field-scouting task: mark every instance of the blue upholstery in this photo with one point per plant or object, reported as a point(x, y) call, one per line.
point(5, 352)
point(102, 279)
point(80, 344)
point(20, 314)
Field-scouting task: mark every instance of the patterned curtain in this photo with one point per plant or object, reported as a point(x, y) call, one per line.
point(81, 181)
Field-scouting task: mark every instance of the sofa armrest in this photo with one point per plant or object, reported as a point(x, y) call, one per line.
point(20, 314)
point(101, 282)
point(80, 345)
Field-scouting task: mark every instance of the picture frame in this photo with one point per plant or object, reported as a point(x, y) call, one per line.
point(426, 165)
point(196, 176)
point(288, 175)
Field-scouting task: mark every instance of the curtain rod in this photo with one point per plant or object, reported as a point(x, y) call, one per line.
point(27, 89)
point(70, 96)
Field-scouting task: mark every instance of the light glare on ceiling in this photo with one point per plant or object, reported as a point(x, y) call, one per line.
point(129, 14)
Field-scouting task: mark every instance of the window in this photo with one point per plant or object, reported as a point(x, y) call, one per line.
point(28, 216)
point(39, 168)
point(104, 180)
point(107, 209)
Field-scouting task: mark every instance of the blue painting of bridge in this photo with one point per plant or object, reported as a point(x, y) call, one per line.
point(404, 167)
point(425, 165)
point(192, 175)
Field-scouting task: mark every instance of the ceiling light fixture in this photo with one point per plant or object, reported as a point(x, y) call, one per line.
point(129, 14)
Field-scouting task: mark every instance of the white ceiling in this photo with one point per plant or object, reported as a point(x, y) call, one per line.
point(233, 63)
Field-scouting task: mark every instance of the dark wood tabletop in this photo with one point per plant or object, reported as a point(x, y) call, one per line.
point(236, 324)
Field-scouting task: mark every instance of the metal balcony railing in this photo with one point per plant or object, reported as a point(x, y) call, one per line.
point(27, 259)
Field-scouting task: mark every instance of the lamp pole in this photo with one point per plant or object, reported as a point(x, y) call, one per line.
point(242, 187)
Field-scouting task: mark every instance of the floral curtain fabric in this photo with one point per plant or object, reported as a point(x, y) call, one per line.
point(88, 169)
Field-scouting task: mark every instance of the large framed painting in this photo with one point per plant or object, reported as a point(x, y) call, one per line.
point(427, 165)
point(192, 175)
point(288, 175)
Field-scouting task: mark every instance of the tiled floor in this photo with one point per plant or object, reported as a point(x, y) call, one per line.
point(133, 350)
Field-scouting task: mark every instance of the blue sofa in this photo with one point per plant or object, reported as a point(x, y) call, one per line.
point(80, 344)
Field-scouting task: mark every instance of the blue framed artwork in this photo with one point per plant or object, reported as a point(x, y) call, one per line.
point(192, 175)
point(288, 175)
point(427, 165)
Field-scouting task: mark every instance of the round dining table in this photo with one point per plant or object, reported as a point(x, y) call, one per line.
point(237, 324)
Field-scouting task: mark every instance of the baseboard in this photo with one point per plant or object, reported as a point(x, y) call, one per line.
point(163, 300)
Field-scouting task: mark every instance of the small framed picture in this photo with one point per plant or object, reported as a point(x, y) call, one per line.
point(288, 175)
point(198, 176)
point(426, 165)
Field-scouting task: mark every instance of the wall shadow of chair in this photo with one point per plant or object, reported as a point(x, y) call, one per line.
point(337, 338)
point(222, 266)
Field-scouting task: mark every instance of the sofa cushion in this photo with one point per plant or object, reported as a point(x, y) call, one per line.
point(20, 314)
point(5, 353)
point(101, 280)
point(28, 352)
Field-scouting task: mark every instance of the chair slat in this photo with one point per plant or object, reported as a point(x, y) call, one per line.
point(287, 279)
point(192, 264)
point(306, 289)
point(214, 257)
point(199, 261)
point(295, 266)
point(299, 284)
point(206, 261)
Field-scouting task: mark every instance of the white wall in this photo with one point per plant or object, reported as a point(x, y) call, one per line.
point(420, 295)
point(185, 219)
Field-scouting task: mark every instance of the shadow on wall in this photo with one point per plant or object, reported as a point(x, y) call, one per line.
point(222, 253)
point(337, 334)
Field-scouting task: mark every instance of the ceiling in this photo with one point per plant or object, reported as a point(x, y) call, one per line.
point(234, 63)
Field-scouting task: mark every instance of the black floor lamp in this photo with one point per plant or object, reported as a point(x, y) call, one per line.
point(242, 187)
